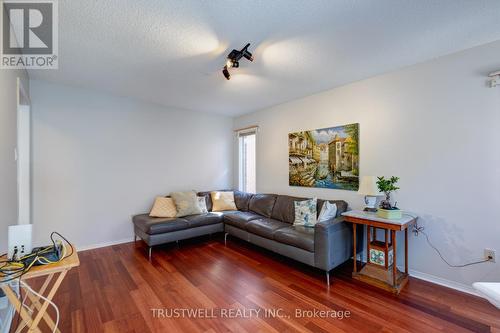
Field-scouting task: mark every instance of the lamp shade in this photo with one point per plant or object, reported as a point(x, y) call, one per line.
point(368, 186)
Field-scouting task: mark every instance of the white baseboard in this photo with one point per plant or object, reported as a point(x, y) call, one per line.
point(99, 245)
point(444, 282)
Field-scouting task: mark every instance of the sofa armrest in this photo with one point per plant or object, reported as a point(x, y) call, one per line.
point(332, 243)
point(328, 225)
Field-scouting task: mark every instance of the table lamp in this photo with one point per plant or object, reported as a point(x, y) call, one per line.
point(368, 187)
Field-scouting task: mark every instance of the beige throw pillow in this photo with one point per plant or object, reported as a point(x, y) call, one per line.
point(163, 207)
point(186, 203)
point(222, 201)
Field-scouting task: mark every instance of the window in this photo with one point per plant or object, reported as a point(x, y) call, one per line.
point(246, 147)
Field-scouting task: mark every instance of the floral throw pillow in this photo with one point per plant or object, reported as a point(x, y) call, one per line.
point(305, 212)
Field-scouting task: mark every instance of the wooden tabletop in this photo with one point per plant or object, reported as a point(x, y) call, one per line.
point(360, 214)
point(362, 217)
point(65, 264)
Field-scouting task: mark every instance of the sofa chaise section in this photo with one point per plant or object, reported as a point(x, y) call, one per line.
point(155, 231)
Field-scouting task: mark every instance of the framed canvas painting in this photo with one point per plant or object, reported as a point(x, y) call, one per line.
point(325, 158)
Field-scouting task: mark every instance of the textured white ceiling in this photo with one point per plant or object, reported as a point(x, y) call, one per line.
point(171, 51)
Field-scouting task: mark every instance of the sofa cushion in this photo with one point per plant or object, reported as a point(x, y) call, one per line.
point(227, 212)
point(265, 227)
point(262, 204)
point(163, 207)
point(284, 208)
point(186, 203)
point(203, 219)
point(306, 212)
point(222, 200)
point(240, 219)
point(341, 205)
point(242, 200)
point(208, 199)
point(328, 211)
point(298, 236)
point(159, 225)
point(202, 202)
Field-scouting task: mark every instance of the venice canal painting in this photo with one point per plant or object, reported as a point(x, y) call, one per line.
point(326, 158)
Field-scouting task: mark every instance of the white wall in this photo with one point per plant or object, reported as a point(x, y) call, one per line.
point(8, 141)
point(437, 126)
point(98, 159)
point(24, 164)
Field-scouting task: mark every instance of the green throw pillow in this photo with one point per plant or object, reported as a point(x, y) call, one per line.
point(186, 203)
point(306, 212)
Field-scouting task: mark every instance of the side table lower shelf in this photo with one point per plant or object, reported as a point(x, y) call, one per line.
point(381, 278)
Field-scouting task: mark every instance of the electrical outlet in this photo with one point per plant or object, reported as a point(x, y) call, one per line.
point(489, 254)
point(19, 240)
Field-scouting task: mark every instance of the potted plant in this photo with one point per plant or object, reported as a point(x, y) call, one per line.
point(387, 186)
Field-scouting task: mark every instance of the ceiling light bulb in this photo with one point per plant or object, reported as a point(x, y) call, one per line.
point(229, 63)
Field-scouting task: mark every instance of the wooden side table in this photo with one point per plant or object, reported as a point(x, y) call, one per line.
point(38, 305)
point(381, 268)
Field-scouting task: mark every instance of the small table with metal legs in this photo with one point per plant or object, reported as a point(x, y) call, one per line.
point(381, 268)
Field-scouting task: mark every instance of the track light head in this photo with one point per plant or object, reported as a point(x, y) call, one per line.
point(226, 73)
point(248, 56)
point(245, 53)
point(233, 59)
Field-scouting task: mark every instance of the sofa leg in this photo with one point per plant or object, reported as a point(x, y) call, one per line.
point(149, 252)
point(135, 238)
point(225, 238)
point(327, 278)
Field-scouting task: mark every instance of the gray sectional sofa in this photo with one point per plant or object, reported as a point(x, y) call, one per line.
point(265, 220)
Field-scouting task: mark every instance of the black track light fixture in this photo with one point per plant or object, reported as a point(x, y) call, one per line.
point(226, 73)
point(233, 60)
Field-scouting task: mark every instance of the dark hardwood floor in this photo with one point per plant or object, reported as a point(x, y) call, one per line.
point(115, 289)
